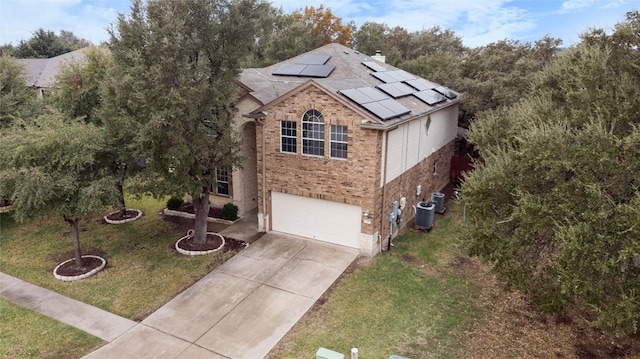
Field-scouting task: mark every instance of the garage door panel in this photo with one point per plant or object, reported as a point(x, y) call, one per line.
point(327, 221)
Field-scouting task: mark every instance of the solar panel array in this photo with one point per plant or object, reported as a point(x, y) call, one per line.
point(307, 66)
point(376, 102)
point(399, 83)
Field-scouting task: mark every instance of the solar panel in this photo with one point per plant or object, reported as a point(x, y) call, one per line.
point(394, 106)
point(396, 89)
point(446, 92)
point(356, 96)
point(384, 77)
point(379, 110)
point(313, 59)
point(404, 75)
point(317, 70)
point(374, 94)
point(374, 65)
point(376, 102)
point(421, 84)
point(289, 69)
point(430, 97)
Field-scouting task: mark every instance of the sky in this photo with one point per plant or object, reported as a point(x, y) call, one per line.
point(477, 22)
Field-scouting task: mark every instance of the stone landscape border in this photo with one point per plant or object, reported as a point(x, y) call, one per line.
point(66, 278)
point(6, 209)
point(127, 220)
point(198, 253)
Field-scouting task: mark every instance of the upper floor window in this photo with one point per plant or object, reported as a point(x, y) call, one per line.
point(339, 141)
point(313, 133)
point(288, 136)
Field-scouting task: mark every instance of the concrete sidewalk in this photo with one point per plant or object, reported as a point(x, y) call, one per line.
point(92, 320)
point(243, 308)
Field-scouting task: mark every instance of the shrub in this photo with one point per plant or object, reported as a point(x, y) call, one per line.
point(174, 203)
point(230, 212)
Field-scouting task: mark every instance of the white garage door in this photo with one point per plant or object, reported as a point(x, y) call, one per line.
point(327, 221)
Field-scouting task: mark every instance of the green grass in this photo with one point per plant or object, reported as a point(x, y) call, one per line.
point(411, 301)
point(26, 334)
point(143, 271)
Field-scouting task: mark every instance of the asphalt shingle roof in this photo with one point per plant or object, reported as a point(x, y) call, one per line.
point(41, 73)
point(349, 73)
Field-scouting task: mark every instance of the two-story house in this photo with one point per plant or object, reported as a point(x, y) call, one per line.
point(339, 147)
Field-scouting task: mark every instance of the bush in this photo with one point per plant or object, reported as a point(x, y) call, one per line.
point(230, 212)
point(174, 203)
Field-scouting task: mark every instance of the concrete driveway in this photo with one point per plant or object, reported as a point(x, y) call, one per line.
point(243, 308)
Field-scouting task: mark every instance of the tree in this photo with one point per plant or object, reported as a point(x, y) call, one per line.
point(441, 67)
point(16, 99)
point(78, 94)
point(326, 27)
point(500, 73)
point(432, 41)
point(77, 85)
point(372, 37)
point(172, 88)
point(53, 165)
point(292, 40)
point(45, 44)
point(555, 206)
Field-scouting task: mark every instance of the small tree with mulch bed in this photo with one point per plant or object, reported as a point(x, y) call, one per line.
point(52, 166)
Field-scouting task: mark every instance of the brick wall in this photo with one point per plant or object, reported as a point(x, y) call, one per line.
point(352, 181)
point(421, 174)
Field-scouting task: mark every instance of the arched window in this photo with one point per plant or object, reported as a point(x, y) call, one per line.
point(313, 133)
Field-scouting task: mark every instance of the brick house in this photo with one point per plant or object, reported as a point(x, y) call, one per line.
point(333, 141)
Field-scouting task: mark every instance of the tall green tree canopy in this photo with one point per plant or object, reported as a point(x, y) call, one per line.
point(16, 99)
point(172, 87)
point(77, 85)
point(54, 165)
point(500, 73)
point(556, 203)
point(45, 44)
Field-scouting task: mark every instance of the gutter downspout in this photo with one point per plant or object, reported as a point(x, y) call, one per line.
point(264, 178)
point(384, 186)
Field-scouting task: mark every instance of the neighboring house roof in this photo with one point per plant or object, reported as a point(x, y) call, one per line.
point(41, 73)
point(348, 73)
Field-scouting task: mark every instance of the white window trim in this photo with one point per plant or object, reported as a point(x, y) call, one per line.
point(228, 194)
point(317, 114)
point(295, 137)
point(332, 141)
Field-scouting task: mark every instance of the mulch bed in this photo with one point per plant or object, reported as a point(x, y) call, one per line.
point(117, 216)
point(69, 269)
point(212, 243)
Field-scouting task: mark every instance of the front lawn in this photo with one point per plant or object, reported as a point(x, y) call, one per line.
point(27, 334)
point(143, 270)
